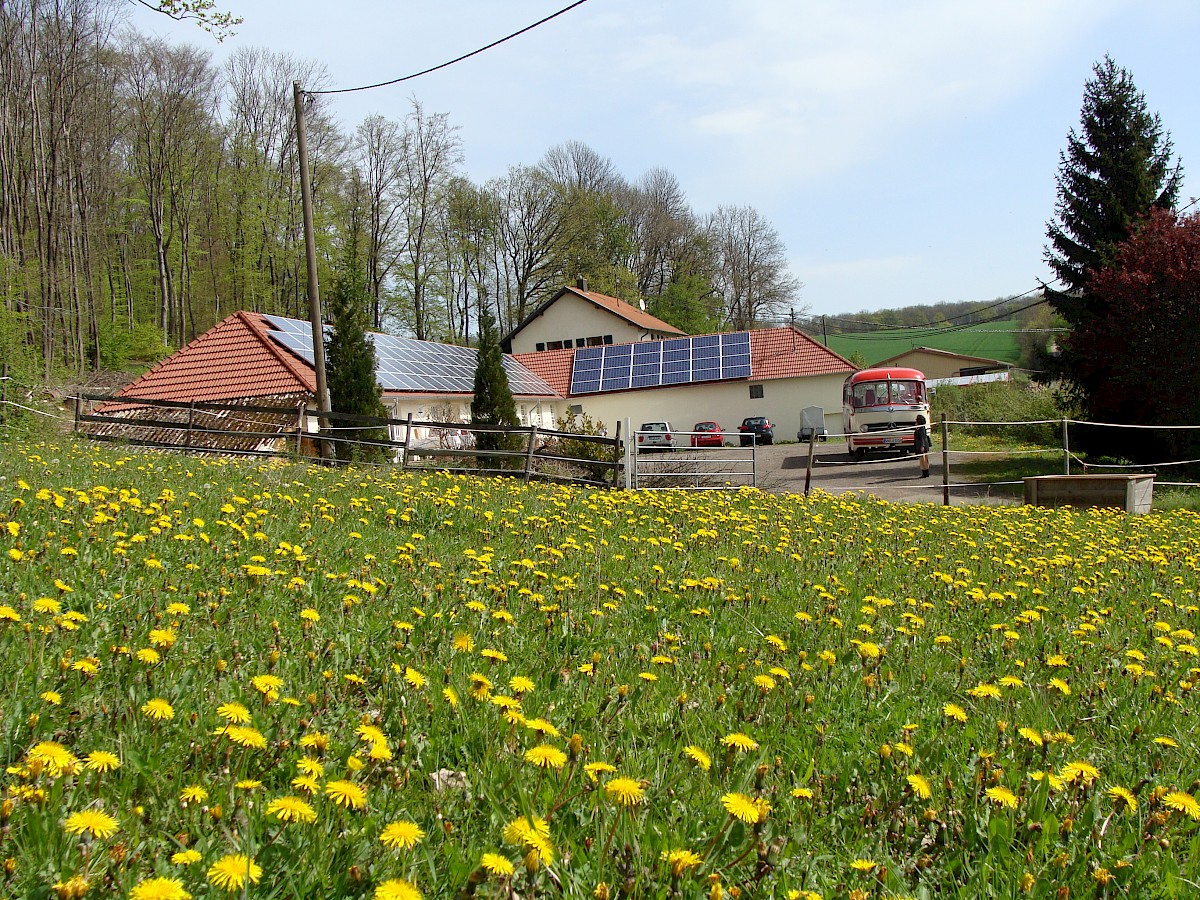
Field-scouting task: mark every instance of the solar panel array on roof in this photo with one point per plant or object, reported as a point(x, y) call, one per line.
point(409, 365)
point(618, 367)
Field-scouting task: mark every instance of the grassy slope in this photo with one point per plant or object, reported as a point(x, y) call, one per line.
point(995, 340)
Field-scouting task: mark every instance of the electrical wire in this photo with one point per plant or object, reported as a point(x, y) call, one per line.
point(368, 87)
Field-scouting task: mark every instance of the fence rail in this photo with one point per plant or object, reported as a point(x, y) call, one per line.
point(286, 430)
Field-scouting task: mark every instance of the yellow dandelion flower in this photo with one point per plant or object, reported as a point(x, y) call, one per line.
point(1083, 772)
point(1183, 802)
point(52, 758)
point(292, 809)
point(234, 712)
point(802, 793)
point(596, 769)
point(863, 865)
point(245, 736)
point(1061, 686)
point(625, 791)
point(54, 698)
point(541, 726)
point(401, 835)
point(149, 656)
point(679, 861)
point(159, 889)
point(1123, 798)
point(158, 709)
point(495, 864)
point(451, 696)
point(740, 742)
point(233, 872)
point(185, 857)
point(751, 810)
point(1002, 796)
point(698, 756)
point(347, 794)
point(397, 889)
point(193, 794)
point(91, 821)
point(546, 756)
point(955, 712)
point(414, 678)
point(1031, 735)
point(764, 683)
point(1166, 742)
point(920, 786)
point(102, 761)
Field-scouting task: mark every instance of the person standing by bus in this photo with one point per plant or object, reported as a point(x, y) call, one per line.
point(922, 444)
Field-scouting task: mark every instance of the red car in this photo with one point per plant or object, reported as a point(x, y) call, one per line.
point(708, 434)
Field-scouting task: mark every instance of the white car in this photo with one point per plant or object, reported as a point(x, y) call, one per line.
point(655, 436)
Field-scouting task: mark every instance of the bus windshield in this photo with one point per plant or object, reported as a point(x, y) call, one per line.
point(884, 393)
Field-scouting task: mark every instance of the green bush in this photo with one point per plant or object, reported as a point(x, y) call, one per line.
point(1003, 401)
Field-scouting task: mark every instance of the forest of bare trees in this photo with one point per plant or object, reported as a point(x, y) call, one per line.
point(146, 193)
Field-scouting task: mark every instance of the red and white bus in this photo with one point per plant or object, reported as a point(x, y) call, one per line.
point(880, 409)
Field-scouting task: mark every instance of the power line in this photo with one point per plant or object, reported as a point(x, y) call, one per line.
point(951, 321)
point(367, 87)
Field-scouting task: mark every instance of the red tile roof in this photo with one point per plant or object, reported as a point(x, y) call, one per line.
point(233, 360)
point(552, 366)
point(774, 353)
point(790, 353)
point(626, 311)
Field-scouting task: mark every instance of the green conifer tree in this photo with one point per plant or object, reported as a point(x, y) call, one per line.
point(1114, 171)
point(350, 362)
point(492, 403)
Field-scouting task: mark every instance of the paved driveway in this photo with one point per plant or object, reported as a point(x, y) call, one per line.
point(781, 469)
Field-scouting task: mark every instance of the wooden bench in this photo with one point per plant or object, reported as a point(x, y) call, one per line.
point(1132, 493)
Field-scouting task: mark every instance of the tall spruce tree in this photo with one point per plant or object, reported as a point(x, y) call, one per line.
point(492, 403)
point(350, 361)
point(1115, 170)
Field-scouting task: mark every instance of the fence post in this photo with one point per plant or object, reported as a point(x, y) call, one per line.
point(812, 440)
point(1066, 450)
point(407, 443)
point(301, 426)
point(945, 462)
point(187, 436)
point(616, 456)
point(533, 430)
point(630, 458)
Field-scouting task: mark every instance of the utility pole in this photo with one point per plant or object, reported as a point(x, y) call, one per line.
point(310, 254)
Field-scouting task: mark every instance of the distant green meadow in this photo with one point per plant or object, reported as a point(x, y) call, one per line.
point(235, 679)
point(993, 340)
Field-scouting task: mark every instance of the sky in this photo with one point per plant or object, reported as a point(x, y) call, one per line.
point(904, 150)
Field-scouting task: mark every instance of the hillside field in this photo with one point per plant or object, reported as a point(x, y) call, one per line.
point(993, 340)
point(236, 679)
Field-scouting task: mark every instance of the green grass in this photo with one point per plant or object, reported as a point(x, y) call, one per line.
point(791, 697)
point(993, 340)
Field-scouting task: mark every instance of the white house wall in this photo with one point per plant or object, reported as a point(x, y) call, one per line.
point(571, 318)
point(724, 402)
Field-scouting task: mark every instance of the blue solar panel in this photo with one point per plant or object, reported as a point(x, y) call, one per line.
point(406, 364)
point(708, 357)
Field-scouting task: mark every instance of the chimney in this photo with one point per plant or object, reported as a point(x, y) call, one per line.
point(581, 282)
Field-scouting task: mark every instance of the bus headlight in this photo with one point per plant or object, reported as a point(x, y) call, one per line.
point(863, 429)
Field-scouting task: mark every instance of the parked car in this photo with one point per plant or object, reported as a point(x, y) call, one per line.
point(708, 434)
point(654, 436)
point(756, 429)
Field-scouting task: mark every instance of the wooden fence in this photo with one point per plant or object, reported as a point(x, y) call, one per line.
point(280, 427)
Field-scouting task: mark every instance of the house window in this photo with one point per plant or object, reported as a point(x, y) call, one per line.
point(595, 341)
point(554, 345)
point(608, 339)
point(756, 392)
point(580, 342)
point(541, 345)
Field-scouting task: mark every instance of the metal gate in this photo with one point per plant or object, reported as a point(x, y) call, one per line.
point(682, 466)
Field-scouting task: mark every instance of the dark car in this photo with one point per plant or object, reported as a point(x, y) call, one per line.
point(707, 434)
point(756, 429)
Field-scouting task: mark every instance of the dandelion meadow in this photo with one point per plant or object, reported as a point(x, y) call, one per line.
point(235, 679)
